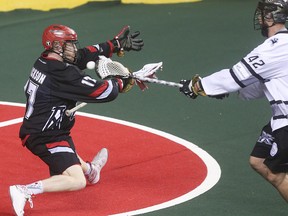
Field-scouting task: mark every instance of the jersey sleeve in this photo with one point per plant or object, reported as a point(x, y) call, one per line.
point(75, 85)
point(260, 65)
point(253, 91)
point(91, 53)
point(220, 82)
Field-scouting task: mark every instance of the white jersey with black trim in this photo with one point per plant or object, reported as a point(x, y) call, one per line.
point(263, 72)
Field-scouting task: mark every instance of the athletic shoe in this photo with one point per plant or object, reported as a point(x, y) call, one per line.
point(19, 194)
point(97, 164)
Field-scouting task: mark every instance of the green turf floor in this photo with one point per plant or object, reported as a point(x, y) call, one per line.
point(189, 38)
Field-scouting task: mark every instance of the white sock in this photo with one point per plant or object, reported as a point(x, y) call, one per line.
point(88, 168)
point(35, 188)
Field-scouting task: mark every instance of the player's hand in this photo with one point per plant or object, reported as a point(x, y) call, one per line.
point(127, 84)
point(187, 89)
point(126, 41)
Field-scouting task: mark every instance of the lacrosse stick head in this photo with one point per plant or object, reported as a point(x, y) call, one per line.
point(107, 68)
point(149, 71)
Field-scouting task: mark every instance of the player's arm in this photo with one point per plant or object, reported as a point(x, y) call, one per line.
point(123, 41)
point(217, 85)
point(81, 87)
point(99, 91)
point(246, 72)
point(92, 53)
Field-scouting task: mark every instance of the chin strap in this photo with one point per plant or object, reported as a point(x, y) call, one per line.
point(61, 54)
point(264, 29)
point(71, 62)
point(58, 53)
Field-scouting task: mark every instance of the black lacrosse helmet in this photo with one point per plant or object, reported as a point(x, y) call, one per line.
point(277, 10)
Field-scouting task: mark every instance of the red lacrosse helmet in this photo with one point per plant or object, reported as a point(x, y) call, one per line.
point(58, 33)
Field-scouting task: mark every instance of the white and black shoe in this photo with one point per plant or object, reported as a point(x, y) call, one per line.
point(19, 195)
point(97, 164)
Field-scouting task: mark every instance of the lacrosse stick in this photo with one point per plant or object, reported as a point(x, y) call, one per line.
point(77, 107)
point(108, 68)
point(157, 81)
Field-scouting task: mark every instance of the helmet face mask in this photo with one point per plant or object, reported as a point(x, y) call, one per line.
point(269, 13)
point(70, 49)
point(62, 40)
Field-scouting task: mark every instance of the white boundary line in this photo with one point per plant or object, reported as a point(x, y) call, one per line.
point(12, 121)
point(213, 168)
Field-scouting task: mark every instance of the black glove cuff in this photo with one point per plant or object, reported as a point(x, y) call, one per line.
point(116, 45)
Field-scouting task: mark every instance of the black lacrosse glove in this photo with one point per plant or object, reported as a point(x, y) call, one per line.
point(187, 89)
point(124, 41)
point(192, 88)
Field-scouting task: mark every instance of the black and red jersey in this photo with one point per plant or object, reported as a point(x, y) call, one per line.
point(54, 86)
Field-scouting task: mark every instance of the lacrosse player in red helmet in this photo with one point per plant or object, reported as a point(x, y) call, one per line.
point(55, 84)
point(262, 73)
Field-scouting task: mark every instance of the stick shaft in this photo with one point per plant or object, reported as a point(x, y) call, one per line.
point(80, 105)
point(157, 81)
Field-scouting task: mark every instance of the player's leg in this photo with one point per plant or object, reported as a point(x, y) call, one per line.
point(270, 159)
point(84, 165)
point(71, 179)
point(282, 185)
point(261, 151)
point(278, 180)
point(258, 165)
point(65, 169)
point(92, 169)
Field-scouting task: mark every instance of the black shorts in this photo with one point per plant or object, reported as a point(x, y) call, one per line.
point(58, 155)
point(273, 147)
